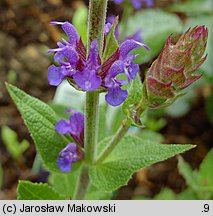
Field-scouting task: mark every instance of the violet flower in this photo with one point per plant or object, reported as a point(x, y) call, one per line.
point(74, 126)
point(90, 73)
point(73, 63)
point(116, 95)
point(66, 157)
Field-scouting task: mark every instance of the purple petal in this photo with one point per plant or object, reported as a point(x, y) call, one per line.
point(87, 79)
point(136, 36)
point(71, 32)
point(136, 3)
point(68, 71)
point(62, 127)
point(149, 3)
point(64, 164)
point(55, 76)
point(116, 95)
point(58, 57)
point(111, 19)
point(128, 45)
point(132, 71)
point(70, 148)
point(116, 68)
point(71, 55)
point(107, 28)
point(67, 156)
point(93, 55)
point(77, 123)
point(118, 1)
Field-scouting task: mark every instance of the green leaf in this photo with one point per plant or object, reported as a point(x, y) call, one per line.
point(130, 155)
point(188, 194)
point(111, 42)
point(36, 191)
point(79, 20)
point(64, 183)
point(205, 171)
point(95, 194)
point(150, 135)
point(166, 194)
point(187, 172)
point(40, 120)
point(10, 139)
point(156, 26)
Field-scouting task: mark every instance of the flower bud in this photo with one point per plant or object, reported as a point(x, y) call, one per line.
point(174, 69)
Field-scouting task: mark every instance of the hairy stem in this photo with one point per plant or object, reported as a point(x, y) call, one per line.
point(96, 22)
point(82, 184)
point(91, 125)
point(115, 140)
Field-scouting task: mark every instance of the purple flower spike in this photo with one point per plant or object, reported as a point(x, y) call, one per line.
point(87, 71)
point(55, 76)
point(66, 157)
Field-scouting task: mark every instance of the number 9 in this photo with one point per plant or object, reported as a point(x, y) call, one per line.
point(206, 207)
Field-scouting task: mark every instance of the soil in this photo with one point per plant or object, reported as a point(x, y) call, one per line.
point(24, 36)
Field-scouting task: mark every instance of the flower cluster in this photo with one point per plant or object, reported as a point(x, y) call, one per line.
point(71, 153)
point(174, 69)
point(137, 3)
point(89, 73)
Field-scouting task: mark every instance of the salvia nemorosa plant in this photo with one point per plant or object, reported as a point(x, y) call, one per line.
point(105, 66)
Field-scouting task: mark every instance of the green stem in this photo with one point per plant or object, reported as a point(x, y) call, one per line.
point(91, 125)
point(82, 184)
point(96, 22)
point(115, 140)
